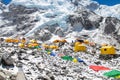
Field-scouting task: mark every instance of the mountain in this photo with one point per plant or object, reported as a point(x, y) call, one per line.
point(24, 16)
point(109, 11)
point(58, 17)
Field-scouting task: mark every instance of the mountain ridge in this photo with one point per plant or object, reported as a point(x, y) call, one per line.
point(18, 19)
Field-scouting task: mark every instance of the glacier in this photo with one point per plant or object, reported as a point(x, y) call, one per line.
point(57, 11)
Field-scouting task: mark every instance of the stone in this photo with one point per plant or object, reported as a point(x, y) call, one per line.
point(59, 32)
point(20, 75)
point(44, 35)
point(12, 77)
point(52, 78)
point(2, 76)
point(7, 60)
point(42, 78)
point(109, 28)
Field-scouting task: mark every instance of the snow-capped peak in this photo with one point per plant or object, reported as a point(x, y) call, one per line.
point(106, 11)
point(69, 5)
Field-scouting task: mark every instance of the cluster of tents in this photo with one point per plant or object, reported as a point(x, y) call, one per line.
point(111, 73)
point(23, 43)
point(79, 45)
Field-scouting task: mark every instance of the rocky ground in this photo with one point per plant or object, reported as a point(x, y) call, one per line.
point(37, 64)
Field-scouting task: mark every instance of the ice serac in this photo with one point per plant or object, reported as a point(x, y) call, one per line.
point(25, 17)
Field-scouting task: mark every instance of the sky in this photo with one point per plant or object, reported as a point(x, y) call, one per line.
point(108, 2)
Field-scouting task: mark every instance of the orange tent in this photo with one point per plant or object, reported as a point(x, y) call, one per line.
point(15, 40)
point(23, 40)
point(56, 41)
point(63, 40)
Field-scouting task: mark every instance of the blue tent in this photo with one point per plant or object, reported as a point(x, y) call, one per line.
point(52, 54)
point(6, 2)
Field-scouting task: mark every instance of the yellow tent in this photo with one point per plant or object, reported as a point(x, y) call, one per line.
point(53, 47)
point(108, 50)
point(86, 41)
point(45, 46)
point(79, 47)
point(21, 45)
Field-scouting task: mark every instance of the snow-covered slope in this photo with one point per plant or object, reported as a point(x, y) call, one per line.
point(106, 11)
point(24, 17)
point(48, 12)
point(102, 10)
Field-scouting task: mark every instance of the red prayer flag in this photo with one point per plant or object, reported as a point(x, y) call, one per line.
point(98, 68)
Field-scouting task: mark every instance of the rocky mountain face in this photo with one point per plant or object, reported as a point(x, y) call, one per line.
point(89, 20)
point(19, 19)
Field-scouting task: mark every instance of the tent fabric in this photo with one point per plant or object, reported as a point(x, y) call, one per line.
point(118, 77)
point(6, 2)
point(75, 60)
point(60, 55)
point(53, 54)
point(36, 47)
point(79, 60)
point(67, 58)
point(113, 73)
point(98, 68)
point(48, 51)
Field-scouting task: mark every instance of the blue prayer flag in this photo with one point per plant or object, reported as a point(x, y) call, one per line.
point(79, 60)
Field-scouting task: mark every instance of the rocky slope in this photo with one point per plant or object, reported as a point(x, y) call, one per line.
point(18, 18)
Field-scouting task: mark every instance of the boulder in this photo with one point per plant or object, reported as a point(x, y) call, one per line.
point(7, 60)
point(44, 35)
point(59, 32)
point(2, 76)
point(20, 76)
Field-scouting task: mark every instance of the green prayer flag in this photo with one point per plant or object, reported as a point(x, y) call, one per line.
point(112, 73)
point(67, 58)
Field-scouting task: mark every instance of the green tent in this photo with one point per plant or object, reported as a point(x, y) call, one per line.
point(48, 51)
point(36, 47)
point(112, 73)
point(67, 58)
